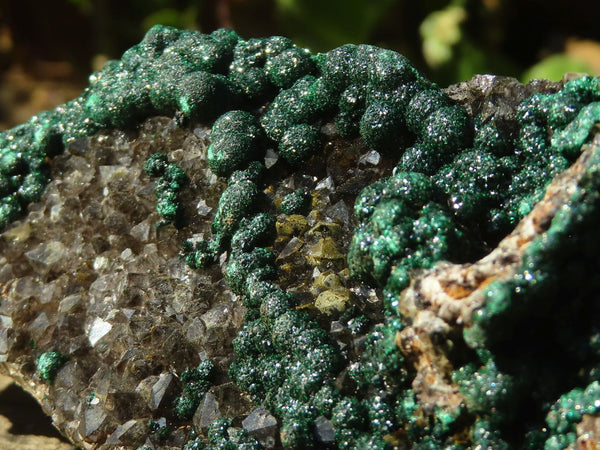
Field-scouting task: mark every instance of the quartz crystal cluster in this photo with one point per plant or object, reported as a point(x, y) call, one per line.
point(229, 243)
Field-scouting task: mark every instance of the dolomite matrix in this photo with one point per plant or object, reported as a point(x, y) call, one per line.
point(229, 243)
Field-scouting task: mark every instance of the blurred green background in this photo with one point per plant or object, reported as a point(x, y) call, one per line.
point(47, 49)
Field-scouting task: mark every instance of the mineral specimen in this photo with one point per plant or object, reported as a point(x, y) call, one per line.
point(199, 281)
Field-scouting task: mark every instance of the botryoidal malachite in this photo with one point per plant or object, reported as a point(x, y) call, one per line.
point(461, 184)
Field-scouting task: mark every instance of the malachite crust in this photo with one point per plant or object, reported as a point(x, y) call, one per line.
point(460, 185)
point(48, 364)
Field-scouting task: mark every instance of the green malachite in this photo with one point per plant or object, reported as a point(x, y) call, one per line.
point(461, 184)
point(171, 179)
point(49, 363)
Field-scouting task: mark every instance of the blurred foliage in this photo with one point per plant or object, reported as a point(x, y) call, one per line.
point(555, 66)
point(322, 25)
point(152, 12)
point(440, 32)
point(448, 40)
point(172, 17)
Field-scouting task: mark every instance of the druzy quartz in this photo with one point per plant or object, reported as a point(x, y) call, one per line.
point(390, 327)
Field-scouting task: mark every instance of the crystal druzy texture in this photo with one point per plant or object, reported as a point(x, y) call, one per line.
point(229, 243)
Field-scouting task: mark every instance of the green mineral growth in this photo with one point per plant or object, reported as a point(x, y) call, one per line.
point(296, 203)
point(48, 365)
point(171, 180)
point(460, 185)
point(196, 382)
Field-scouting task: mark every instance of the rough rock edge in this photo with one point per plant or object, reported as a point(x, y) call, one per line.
point(443, 300)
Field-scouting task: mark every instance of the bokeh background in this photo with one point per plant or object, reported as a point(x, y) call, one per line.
point(47, 48)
